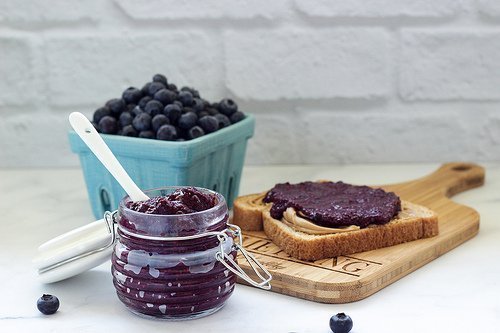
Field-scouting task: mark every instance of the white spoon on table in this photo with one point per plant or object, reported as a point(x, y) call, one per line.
point(83, 248)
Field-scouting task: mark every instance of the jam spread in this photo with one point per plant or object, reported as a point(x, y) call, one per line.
point(182, 201)
point(334, 204)
point(172, 279)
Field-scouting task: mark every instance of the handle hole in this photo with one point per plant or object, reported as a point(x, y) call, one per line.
point(461, 168)
point(105, 200)
point(230, 188)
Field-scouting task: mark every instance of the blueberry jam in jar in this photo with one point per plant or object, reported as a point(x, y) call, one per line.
point(164, 263)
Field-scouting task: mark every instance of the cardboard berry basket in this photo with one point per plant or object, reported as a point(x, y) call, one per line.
point(213, 161)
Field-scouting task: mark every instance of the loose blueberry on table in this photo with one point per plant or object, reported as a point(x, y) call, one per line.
point(144, 113)
point(47, 304)
point(340, 323)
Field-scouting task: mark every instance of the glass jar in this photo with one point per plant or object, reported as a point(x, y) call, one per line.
point(176, 267)
point(171, 279)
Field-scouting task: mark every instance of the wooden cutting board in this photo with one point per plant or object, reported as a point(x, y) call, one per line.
point(354, 277)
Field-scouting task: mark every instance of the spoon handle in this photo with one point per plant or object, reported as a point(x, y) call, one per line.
point(96, 144)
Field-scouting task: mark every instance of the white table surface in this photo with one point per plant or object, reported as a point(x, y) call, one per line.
point(458, 292)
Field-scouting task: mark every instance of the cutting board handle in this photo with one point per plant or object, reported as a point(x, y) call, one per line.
point(456, 177)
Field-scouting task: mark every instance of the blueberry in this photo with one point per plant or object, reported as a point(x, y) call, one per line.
point(202, 114)
point(95, 126)
point(187, 109)
point(237, 116)
point(126, 119)
point(223, 120)
point(228, 107)
point(154, 87)
point(158, 121)
point(137, 110)
point(340, 323)
point(160, 78)
point(181, 133)
point(101, 112)
point(142, 122)
point(153, 108)
point(187, 120)
point(129, 130)
point(165, 96)
point(198, 105)
point(116, 106)
point(147, 134)
point(130, 108)
point(179, 104)
point(132, 95)
point(185, 97)
point(145, 88)
point(212, 111)
point(47, 304)
point(193, 91)
point(173, 112)
point(209, 124)
point(142, 103)
point(195, 132)
point(108, 125)
point(167, 132)
point(172, 87)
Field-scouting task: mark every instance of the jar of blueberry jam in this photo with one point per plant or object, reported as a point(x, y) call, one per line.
point(175, 256)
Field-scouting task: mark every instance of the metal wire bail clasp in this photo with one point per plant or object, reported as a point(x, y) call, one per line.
point(263, 274)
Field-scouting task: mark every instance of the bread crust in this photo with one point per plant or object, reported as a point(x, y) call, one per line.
point(422, 224)
point(247, 211)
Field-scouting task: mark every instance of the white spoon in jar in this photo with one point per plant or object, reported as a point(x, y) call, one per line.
point(90, 245)
point(96, 144)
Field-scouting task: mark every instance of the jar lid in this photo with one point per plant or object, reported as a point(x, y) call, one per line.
point(89, 246)
point(76, 251)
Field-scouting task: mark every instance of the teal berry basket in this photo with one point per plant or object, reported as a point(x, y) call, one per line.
point(213, 161)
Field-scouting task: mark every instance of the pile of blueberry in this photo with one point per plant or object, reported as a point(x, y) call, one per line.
point(161, 111)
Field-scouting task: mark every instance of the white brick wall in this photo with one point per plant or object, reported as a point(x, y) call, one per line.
point(328, 81)
point(305, 64)
point(209, 9)
point(17, 71)
point(411, 137)
point(380, 8)
point(449, 65)
point(92, 69)
point(28, 13)
point(489, 8)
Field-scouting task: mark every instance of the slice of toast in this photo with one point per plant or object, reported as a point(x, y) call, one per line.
point(412, 223)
